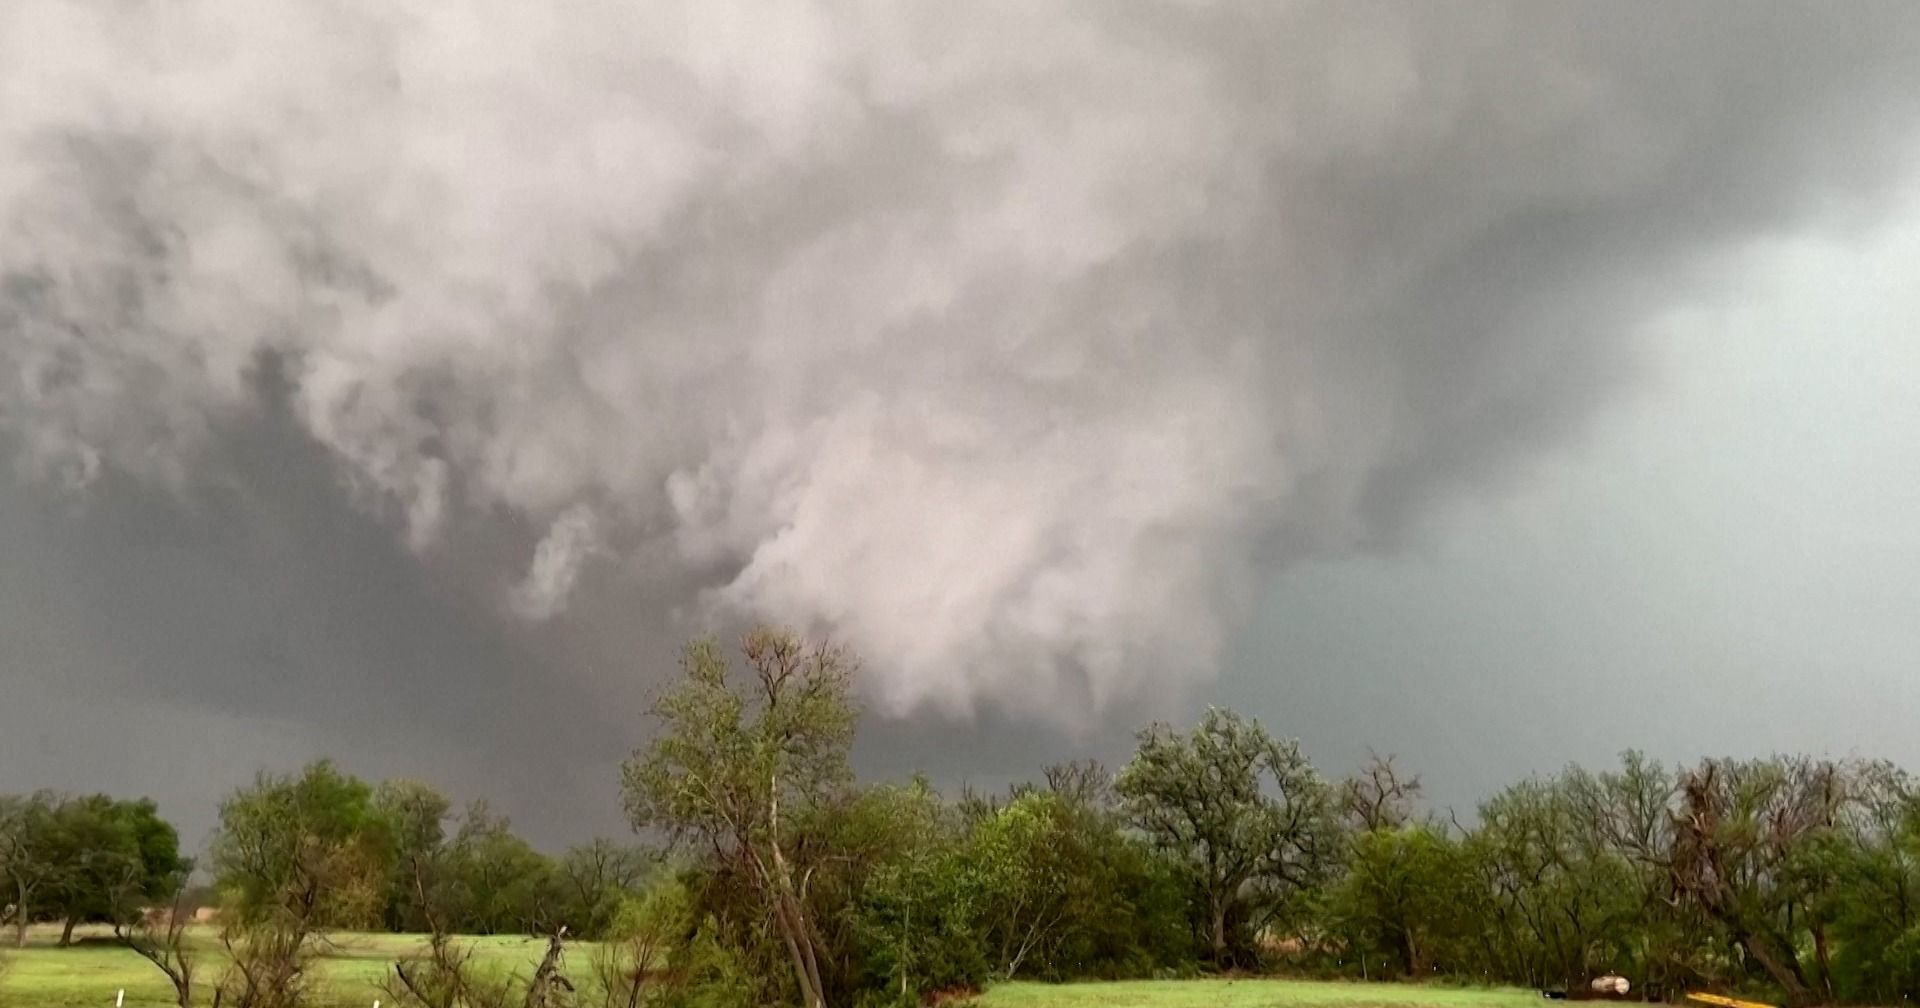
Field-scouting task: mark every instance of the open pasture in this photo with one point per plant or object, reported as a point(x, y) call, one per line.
point(349, 972)
point(348, 975)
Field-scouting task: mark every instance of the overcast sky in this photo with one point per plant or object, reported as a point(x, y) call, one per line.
point(1492, 385)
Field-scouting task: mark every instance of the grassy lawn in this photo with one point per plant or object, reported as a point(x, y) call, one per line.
point(1250, 994)
point(88, 975)
point(347, 976)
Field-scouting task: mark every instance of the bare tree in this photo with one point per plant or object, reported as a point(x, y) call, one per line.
point(547, 978)
point(1081, 784)
point(444, 978)
point(269, 965)
point(447, 976)
point(160, 937)
point(596, 876)
point(1379, 796)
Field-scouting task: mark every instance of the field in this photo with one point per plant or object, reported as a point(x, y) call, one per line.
point(89, 975)
point(1251, 994)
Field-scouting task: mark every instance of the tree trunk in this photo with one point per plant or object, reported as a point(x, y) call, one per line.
point(547, 975)
point(809, 954)
point(789, 910)
point(66, 931)
point(20, 925)
point(806, 969)
point(1822, 957)
point(1784, 970)
point(1219, 932)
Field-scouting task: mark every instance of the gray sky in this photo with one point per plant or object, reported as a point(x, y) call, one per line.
point(1497, 386)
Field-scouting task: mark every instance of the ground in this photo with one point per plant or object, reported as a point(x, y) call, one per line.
point(1251, 994)
point(91, 974)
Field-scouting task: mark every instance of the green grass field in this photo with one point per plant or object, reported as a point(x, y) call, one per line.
point(89, 976)
point(348, 975)
point(1250, 994)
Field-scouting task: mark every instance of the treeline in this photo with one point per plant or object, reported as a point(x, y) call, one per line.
point(1224, 848)
point(346, 855)
point(76, 860)
point(783, 880)
point(358, 856)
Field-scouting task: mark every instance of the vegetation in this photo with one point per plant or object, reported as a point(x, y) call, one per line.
point(1246, 818)
point(85, 859)
point(348, 970)
point(731, 756)
point(1217, 849)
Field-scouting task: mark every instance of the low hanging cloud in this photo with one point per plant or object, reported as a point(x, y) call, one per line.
point(1013, 344)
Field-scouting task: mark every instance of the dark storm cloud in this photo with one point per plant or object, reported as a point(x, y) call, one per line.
point(423, 377)
point(268, 599)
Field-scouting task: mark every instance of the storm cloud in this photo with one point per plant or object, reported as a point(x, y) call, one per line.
point(1018, 346)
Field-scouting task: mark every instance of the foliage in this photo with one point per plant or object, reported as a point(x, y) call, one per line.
point(632, 964)
point(337, 852)
point(414, 817)
point(1245, 814)
point(312, 848)
point(27, 865)
point(917, 903)
point(1069, 894)
point(736, 764)
point(1405, 901)
point(496, 883)
point(85, 859)
point(114, 857)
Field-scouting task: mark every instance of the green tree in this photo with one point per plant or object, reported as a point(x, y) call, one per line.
point(1562, 900)
point(311, 850)
point(912, 891)
point(736, 763)
point(1126, 910)
point(1873, 901)
point(1243, 812)
point(1740, 832)
point(650, 929)
point(28, 865)
point(495, 882)
point(1030, 879)
point(414, 815)
point(1407, 900)
point(112, 858)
